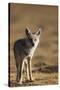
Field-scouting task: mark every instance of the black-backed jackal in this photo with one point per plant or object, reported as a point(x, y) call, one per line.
point(23, 52)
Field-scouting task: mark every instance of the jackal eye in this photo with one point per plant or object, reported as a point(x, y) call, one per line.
point(31, 40)
point(34, 39)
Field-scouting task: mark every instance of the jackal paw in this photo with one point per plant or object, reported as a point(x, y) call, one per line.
point(31, 79)
point(20, 82)
point(28, 78)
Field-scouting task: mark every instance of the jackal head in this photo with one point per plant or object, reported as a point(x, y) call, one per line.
point(33, 37)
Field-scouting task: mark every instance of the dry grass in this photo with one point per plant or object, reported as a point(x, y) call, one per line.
point(46, 54)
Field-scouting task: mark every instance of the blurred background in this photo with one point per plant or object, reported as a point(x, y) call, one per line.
point(34, 16)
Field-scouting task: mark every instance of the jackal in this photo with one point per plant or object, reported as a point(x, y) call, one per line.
point(23, 52)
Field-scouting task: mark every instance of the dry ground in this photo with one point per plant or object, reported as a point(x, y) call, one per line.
point(46, 55)
point(39, 79)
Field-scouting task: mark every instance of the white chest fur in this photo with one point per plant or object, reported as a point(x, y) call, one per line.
point(33, 49)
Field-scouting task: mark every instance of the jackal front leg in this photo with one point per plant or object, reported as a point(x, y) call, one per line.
point(30, 69)
point(27, 70)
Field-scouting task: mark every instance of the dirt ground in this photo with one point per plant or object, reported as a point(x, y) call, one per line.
point(39, 79)
point(45, 60)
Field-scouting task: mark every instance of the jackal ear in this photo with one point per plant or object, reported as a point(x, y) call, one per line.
point(27, 31)
point(38, 32)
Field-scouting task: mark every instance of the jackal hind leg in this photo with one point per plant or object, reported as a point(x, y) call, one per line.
point(21, 72)
point(17, 76)
point(17, 67)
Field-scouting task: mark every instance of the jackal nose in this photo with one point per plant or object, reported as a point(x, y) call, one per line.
point(32, 44)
